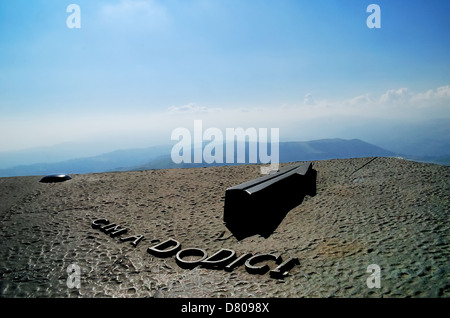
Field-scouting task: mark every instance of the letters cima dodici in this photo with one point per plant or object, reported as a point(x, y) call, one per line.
point(188, 258)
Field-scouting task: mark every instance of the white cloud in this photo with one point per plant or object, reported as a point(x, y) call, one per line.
point(324, 119)
point(395, 95)
point(443, 92)
point(190, 108)
point(309, 100)
point(359, 100)
point(401, 103)
point(440, 93)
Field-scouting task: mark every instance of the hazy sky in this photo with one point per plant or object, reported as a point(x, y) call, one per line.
point(137, 69)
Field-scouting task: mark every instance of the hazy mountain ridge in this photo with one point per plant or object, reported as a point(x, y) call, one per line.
point(159, 157)
point(101, 163)
point(290, 152)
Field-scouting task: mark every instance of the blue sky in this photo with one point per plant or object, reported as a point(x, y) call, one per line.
point(137, 69)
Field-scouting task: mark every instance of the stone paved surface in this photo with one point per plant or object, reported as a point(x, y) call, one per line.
point(384, 211)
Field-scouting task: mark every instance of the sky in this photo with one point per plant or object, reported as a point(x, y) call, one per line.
point(136, 70)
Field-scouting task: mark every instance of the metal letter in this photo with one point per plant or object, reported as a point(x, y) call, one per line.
point(165, 249)
point(97, 223)
point(190, 252)
point(281, 270)
point(219, 259)
point(261, 269)
point(136, 238)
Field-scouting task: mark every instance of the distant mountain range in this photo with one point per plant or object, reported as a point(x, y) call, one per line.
point(289, 152)
point(116, 160)
point(159, 157)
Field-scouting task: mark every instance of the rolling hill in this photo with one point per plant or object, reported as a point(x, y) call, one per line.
point(159, 157)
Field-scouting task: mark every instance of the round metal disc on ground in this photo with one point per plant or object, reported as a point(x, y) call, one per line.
point(55, 178)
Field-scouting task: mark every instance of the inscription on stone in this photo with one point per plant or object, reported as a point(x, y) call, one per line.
point(189, 258)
